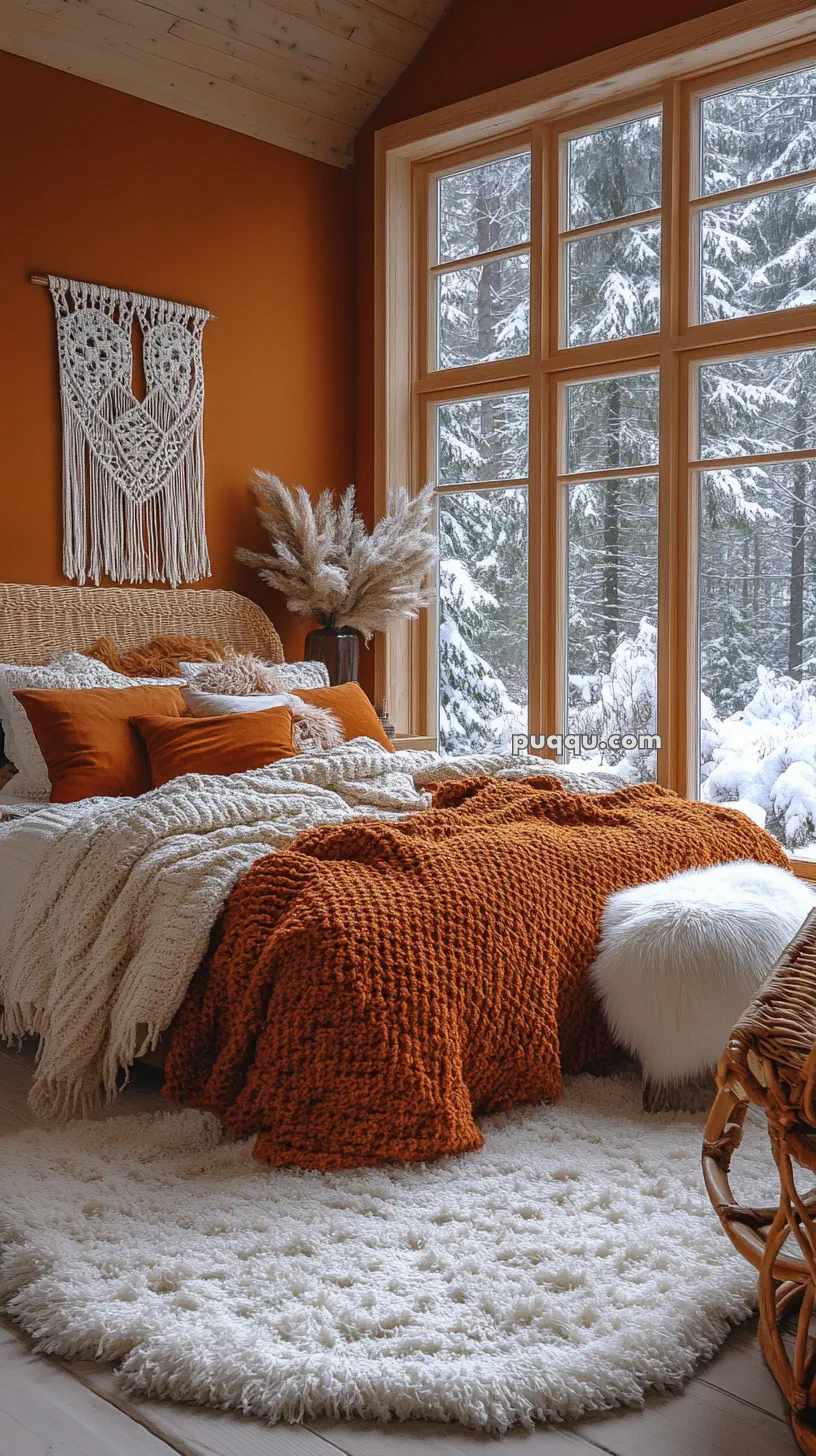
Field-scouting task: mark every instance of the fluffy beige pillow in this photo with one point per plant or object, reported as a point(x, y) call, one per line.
point(239, 676)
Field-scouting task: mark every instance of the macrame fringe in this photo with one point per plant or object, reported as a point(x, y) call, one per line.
point(132, 472)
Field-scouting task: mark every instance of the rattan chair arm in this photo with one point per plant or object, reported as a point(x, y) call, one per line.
point(723, 1133)
point(771, 1052)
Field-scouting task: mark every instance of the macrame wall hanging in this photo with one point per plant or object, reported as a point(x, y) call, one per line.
point(132, 470)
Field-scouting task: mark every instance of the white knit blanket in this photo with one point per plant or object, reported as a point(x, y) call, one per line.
point(117, 913)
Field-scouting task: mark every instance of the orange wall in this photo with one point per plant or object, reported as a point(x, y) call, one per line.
point(482, 44)
point(99, 185)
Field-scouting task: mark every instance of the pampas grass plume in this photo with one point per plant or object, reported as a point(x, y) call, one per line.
point(327, 565)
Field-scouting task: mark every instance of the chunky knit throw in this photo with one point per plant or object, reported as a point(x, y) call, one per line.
point(118, 896)
point(374, 985)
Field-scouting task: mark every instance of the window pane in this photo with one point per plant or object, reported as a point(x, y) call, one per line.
point(758, 131)
point(759, 255)
point(484, 208)
point(758, 405)
point(482, 618)
point(484, 312)
point(613, 422)
point(483, 439)
point(758, 645)
point(612, 634)
point(614, 285)
point(614, 171)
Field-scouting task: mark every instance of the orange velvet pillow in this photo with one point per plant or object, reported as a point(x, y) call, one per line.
point(351, 708)
point(223, 745)
point(86, 738)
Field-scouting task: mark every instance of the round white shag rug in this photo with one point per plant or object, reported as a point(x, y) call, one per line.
point(570, 1266)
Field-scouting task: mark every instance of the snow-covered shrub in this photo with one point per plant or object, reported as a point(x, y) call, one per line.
point(766, 753)
point(621, 701)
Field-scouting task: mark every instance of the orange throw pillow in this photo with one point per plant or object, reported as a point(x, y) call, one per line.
point(351, 708)
point(86, 738)
point(223, 745)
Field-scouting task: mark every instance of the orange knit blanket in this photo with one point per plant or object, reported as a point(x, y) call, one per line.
point(375, 985)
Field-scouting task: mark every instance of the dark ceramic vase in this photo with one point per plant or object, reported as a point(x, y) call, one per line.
point(339, 648)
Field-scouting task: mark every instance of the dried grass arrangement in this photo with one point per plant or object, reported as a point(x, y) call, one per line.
point(328, 565)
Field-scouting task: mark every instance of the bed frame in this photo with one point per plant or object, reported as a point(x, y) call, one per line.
point(38, 623)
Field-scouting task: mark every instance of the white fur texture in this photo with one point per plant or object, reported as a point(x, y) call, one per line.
point(570, 1266)
point(681, 958)
point(243, 673)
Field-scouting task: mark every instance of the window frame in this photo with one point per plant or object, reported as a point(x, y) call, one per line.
point(409, 389)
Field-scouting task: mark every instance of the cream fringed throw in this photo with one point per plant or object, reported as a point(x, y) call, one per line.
point(124, 893)
point(133, 470)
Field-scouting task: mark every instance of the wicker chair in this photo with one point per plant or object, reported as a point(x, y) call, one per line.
point(770, 1060)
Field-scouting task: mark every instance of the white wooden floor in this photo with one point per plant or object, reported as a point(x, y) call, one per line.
point(75, 1408)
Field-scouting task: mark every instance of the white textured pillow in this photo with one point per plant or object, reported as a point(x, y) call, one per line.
point(72, 670)
point(312, 727)
point(219, 705)
point(287, 675)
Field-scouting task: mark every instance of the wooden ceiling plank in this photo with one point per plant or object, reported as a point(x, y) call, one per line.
point(325, 133)
point(57, 9)
point(354, 99)
point(426, 14)
point(121, 25)
point(210, 99)
point(270, 29)
point(299, 123)
point(246, 66)
point(360, 26)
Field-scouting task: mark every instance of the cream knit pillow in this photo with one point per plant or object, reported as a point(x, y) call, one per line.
point(72, 670)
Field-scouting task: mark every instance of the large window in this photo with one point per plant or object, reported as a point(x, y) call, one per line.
point(615, 394)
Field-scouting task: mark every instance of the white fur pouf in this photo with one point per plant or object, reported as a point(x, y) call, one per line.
point(681, 958)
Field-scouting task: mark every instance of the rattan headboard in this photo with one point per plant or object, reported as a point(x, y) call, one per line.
point(39, 622)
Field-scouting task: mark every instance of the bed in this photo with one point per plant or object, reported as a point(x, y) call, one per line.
point(39, 623)
point(179, 906)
